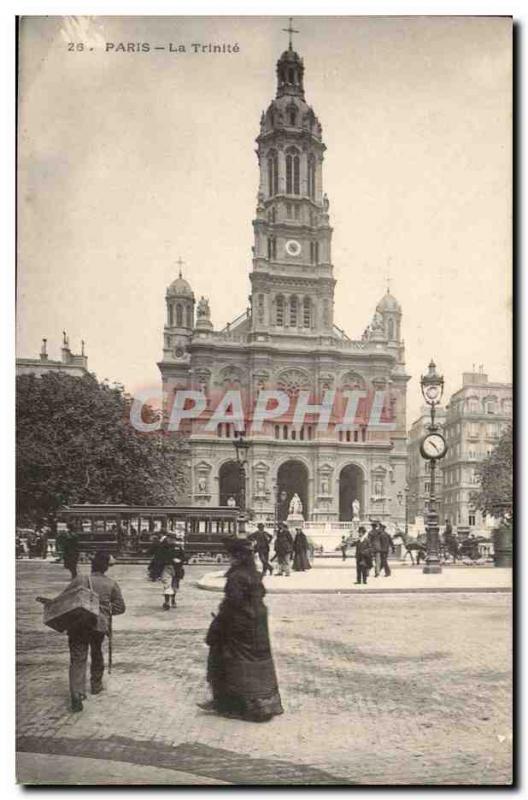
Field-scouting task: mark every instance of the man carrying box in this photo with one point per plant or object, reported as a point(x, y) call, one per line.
point(83, 637)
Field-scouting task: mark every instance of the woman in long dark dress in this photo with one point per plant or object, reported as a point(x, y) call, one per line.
point(240, 666)
point(301, 561)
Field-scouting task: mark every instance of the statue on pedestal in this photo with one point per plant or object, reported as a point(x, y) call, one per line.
point(295, 510)
point(355, 508)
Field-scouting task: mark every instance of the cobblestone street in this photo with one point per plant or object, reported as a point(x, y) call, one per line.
point(410, 688)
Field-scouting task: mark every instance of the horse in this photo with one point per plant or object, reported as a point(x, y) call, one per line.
point(411, 546)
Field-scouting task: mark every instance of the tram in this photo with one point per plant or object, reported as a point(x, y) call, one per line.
point(132, 530)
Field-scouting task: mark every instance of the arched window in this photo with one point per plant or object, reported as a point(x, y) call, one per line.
point(291, 75)
point(179, 315)
point(273, 173)
point(390, 329)
point(171, 315)
point(292, 115)
point(307, 313)
point(189, 317)
point(272, 247)
point(293, 165)
point(284, 431)
point(277, 432)
point(272, 216)
point(311, 175)
point(293, 311)
point(279, 310)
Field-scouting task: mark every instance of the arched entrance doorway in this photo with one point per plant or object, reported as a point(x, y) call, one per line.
point(292, 478)
point(229, 480)
point(350, 489)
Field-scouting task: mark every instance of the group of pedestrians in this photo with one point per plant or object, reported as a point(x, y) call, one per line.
point(372, 550)
point(289, 552)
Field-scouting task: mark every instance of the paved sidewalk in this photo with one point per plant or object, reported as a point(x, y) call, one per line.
point(404, 580)
point(377, 689)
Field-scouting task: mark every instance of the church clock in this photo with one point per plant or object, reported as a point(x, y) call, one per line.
point(293, 248)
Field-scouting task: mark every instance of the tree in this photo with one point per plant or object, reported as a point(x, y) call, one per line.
point(76, 444)
point(495, 476)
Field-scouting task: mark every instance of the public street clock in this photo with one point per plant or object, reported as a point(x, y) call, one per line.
point(433, 446)
point(293, 248)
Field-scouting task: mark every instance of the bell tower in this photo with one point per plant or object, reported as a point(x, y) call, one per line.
point(292, 284)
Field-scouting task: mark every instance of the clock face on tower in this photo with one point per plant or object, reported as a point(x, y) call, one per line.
point(293, 248)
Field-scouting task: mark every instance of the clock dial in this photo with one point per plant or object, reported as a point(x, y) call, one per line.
point(293, 248)
point(433, 446)
point(432, 393)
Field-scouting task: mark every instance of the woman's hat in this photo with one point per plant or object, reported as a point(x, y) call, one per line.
point(237, 546)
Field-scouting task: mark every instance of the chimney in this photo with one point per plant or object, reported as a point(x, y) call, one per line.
point(44, 350)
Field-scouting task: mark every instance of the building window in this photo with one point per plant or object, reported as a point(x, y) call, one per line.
point(219, 430)
point(301, 435)
point(311, 175)
point(273, 173)
point(288, 210)
point(279, 310)
point(292, 114)
point(171, 315)
point(390, 329)
point(427, 487)
point(355, 436)
point(310, 432)
point(293, 311)
point(179, 315)
point(363, 434)
point(471, 519)
point(293, 434)
point(491, 407)
point(284, 431)
point(189, 317)
point(307, 315)
point(293, 163)
point(272, 247)
point(277, 432)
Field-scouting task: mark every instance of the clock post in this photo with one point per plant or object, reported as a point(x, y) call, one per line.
point(433, 447)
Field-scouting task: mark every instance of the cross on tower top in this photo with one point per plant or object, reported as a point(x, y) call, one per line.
point(180, 264)
point(290, 30)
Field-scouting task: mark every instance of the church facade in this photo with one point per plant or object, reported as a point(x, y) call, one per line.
point(287, 340)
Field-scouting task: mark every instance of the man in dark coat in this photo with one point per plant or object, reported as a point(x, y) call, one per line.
point(71, 551)
point(363, 556)
point(375, 546)
point(385, 541)
point(283, 549)
point(261, 540)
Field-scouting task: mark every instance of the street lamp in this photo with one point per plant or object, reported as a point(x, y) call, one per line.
point(433, 447)
point(400, 498)
point(241, 449)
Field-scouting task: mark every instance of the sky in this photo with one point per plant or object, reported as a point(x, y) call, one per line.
point(131, 160)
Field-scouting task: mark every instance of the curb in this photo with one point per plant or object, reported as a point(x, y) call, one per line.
point(396, 590)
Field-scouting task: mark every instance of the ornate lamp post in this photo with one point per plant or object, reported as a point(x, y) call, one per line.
point(432, 447)
point(241, 449)
point(399, 497)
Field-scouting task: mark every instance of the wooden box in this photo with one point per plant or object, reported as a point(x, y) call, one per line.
point(79, 607)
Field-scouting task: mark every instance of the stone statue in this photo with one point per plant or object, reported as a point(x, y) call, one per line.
point(231, 502)
point(296, 507)
point(203, 309)
point(202, 484)
point(260, 486)
point(355, 508)
point(377, 322)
